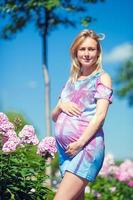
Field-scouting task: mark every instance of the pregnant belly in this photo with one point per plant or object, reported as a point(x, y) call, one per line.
point(69, 129)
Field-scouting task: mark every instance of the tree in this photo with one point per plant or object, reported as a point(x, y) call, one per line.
point(125, 81)
point(47, 15)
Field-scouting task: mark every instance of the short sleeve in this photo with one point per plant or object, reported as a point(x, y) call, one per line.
point(103, 92)
point(65, 91)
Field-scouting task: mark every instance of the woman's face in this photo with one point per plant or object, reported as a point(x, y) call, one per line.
point(87, 53)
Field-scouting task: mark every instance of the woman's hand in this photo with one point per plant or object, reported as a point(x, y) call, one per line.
point(70, 108)
point(74, 147)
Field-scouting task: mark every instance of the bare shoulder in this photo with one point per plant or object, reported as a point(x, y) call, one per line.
point(106, 79)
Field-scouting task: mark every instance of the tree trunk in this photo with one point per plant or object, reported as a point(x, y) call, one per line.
point(46, 94)
point(47, 100)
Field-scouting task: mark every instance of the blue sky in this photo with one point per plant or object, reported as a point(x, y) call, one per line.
point(22, 85)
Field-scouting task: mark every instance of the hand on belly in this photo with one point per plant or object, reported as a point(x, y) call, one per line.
point(73, 148)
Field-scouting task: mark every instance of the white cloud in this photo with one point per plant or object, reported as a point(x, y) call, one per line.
point(119, 53)
point(32, 84)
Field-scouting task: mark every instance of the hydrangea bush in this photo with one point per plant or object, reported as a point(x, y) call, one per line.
point(23, 162)
point(114, 182)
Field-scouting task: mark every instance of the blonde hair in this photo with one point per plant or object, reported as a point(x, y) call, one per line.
point(75, 65)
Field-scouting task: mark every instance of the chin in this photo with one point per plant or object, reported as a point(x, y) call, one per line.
point(87, 64)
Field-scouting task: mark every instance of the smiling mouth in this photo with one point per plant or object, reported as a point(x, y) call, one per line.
point(86, 60)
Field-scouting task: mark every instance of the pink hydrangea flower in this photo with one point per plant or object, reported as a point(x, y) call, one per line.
point(109, 166)
point(5, 125)
point(130, 183)
point(11, 144)
point(9, 134)
point(47, 147)
point(125, 171)
point(3, 118)
point(28, 136)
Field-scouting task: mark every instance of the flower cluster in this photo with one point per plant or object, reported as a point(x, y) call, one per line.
point(122, 172)
point(10, 140)
point(11, 144)
point(47, 147)
point(9, 137)
point(108, 167)
point(28, 136)
point(5, 125)
point(125, 172)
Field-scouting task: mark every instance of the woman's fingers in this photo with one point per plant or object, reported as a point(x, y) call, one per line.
point(73, 148)
point(74, 110)
point(70, 108)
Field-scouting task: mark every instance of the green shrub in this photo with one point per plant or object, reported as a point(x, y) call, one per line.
point(23, 175)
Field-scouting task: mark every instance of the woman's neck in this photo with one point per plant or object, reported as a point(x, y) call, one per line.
point(87, 72)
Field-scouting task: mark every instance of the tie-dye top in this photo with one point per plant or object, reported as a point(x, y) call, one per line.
point(85, 94)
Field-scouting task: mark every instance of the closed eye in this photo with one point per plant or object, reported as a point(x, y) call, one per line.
point(82, 49)
point(91, 49)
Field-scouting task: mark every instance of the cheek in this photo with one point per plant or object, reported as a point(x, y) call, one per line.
point(79, 55)
point(94, 55)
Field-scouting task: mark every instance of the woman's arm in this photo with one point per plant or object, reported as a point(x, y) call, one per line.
point(100, 115)
point(55, 113)
point(96, 121)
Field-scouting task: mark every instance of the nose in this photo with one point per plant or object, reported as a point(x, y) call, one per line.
point(86, 53)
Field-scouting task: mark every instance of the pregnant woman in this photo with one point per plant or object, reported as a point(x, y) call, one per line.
point(79, 117)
